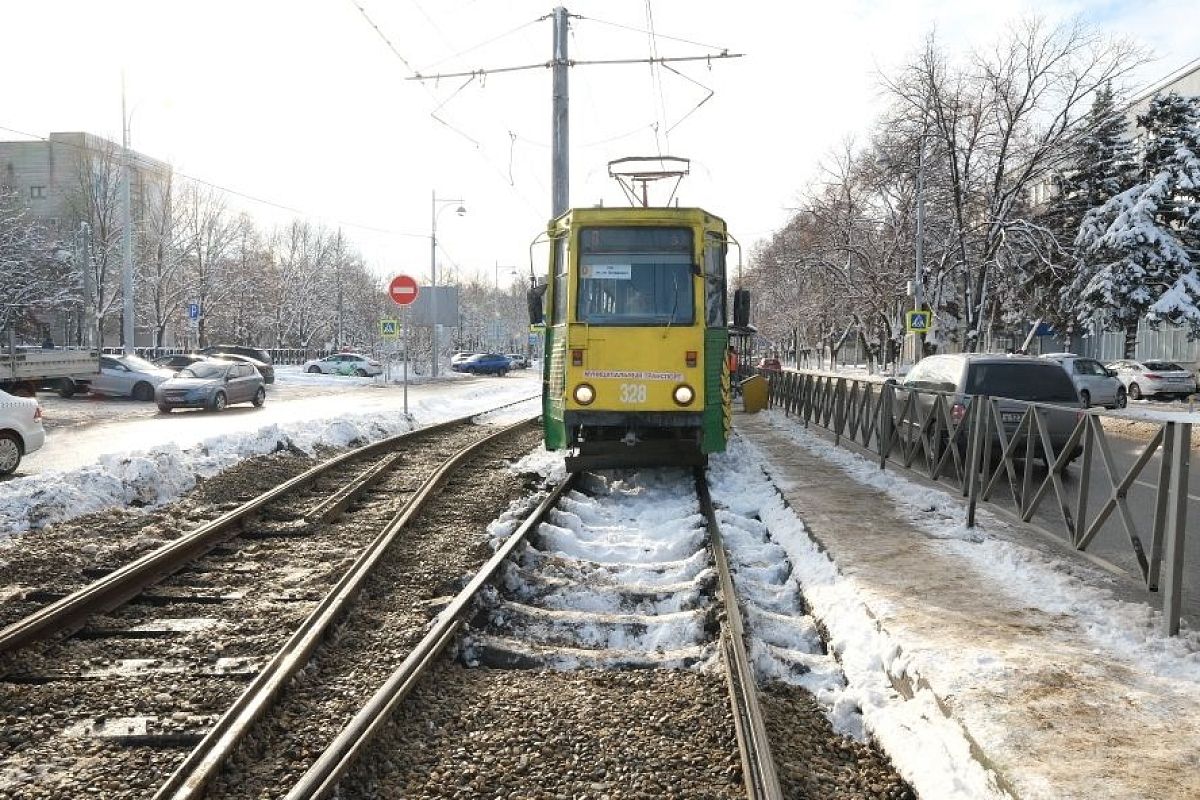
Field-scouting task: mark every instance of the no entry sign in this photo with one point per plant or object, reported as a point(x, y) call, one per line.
point(402, 290)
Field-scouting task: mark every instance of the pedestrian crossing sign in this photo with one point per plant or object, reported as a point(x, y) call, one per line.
point(389, 328)
point(919, 321)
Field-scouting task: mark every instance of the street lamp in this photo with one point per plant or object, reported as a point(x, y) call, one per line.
point(433, 309)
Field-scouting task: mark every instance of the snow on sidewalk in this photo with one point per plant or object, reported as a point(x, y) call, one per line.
point(1065, 690)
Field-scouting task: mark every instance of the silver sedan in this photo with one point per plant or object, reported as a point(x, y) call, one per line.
point(211, 384)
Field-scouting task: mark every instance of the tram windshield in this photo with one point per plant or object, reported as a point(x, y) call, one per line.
point(635, 276)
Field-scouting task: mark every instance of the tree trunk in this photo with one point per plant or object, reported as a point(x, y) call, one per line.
point(1131, 330)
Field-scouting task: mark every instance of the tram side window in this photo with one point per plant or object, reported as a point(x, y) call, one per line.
point(560, 281)
point(714, 281)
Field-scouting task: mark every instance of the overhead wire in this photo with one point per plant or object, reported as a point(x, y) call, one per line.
point(236, 192)
point(478, 146)
point(660, 35)
point(656, 80)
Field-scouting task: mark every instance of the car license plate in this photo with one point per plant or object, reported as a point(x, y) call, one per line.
point(1011, 417)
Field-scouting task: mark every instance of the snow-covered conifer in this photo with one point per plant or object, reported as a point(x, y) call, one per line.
point(1140, 246)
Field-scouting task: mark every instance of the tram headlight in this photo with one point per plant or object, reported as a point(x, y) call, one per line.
point(684, 394)
point(584, 394)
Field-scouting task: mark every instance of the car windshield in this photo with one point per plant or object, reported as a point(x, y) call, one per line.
point(635, 276)
point(203, 370)
point(1163, 366)
point(137, 364)
point(1034, 382)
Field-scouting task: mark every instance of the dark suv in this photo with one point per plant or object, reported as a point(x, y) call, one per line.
point(1013, 381)
point(258, 358)
point(257, 353)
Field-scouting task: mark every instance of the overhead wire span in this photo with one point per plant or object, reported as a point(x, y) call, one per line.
point(485, 43)
point(660, 35)
point(237, 193)
point(382, 35)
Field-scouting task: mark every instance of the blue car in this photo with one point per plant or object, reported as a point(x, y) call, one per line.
point(484, 364)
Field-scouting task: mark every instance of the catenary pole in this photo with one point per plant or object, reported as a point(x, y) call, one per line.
point(560, 172)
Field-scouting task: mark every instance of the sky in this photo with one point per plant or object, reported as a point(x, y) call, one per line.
point(302, 103)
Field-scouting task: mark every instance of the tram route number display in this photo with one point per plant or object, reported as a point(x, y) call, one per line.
point(633, 393)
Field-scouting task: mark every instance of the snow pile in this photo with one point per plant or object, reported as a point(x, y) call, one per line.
point(160, 474)
point(929, 750)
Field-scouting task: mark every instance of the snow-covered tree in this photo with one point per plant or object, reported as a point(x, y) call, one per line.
point(32, 276)
point(1100, 163)
point(1143, 244)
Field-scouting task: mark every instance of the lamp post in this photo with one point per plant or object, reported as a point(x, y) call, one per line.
point(433, 309)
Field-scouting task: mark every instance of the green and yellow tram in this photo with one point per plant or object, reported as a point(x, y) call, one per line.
point(635, 370)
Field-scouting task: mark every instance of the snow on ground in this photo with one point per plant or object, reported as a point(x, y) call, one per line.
point(1091, 621)
point(122, 476)
point(929, 750)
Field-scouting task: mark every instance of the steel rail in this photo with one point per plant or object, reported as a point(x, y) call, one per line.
point(128, 581)
point(207, 758)
point(754, 743)
point(322, 777)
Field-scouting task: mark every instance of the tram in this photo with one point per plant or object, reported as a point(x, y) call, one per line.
point(634, 310)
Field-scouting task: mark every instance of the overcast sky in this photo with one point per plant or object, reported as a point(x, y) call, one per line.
point(302, 103)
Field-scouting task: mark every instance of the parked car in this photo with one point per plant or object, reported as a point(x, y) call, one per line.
point(1097, 384)
point(517, 360)
point(344, 364)
point(220, 350)
point(484, 364)
point(211, 383)
point(1154, 378)
point(128, 376)
point(177, 361)
point(21, 430)
point(770, 363)
point(1009, 379)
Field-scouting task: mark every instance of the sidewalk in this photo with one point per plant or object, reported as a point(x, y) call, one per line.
point(1053, 670)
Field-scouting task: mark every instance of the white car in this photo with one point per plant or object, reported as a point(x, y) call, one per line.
point(21, 430)
point(1097, 385)
point(344, 364)
point(128, 376)
point(1161, 378)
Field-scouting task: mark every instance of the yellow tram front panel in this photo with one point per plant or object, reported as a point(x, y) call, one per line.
point(635, 369)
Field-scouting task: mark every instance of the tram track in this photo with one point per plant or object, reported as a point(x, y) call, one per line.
point(604, 647)
point(156, 668)
point(553, 732)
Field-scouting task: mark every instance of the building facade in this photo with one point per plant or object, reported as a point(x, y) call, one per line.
point(70, 182)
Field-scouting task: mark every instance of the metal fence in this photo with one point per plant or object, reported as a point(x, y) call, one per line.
point(1024, 472)
point(278, 355)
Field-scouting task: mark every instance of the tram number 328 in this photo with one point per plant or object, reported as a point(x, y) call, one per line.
point(633, 393)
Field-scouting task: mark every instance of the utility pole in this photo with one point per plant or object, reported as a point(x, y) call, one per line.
point(560, 168)
point(127, 233)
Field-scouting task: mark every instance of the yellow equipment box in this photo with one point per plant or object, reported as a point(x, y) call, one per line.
point(754, 394)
